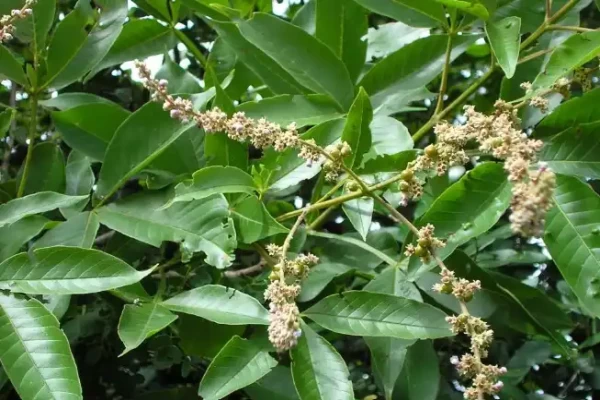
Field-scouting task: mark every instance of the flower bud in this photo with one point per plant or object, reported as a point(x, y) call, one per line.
point(407, 175)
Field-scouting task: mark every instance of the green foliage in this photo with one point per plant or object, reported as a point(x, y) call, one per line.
point(140, 246)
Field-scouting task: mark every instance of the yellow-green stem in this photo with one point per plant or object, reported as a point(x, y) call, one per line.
point(31, 139)
point(191, 46)
point(445, 73)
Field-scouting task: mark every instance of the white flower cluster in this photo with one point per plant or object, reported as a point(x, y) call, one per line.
point(6, 22)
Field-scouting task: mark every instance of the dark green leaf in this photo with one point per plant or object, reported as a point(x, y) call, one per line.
point(311, 109)
point(361, 248)
point(219, 304)
point(379, 315)
point(199, 226)
point(471, 7)
point(341, 25)
point(65, 101)
point(318, 278)
point(504, 37)
point(78, 231)
point(46, 169)
point(388, 162)
point(139, 322)
point(11, 68)
point(33, 29)
point(213, 180)
point(411, 12)
point(421, 373)
point(37, 203)
point(357, 132)
point(530, 354)
point(573, 239)
point(37, 372)
point(395, 282)
point(66, 270)
point(15, 235)
point(571, 114)
point(309, 61)
point(276, 385)
point(319, 372)
point(510, 256)
point(253, 222)
point(6, 118)
point(238, 364)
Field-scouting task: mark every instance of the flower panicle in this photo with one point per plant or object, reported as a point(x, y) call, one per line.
point(261, 133)
point(6, 21)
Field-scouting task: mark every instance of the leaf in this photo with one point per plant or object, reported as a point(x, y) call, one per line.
point(35, 352)
point(387, 162)
point(221, 305)
point(65, 101)
point(139, 39)
point(395, 282)
point(341, 25)
point(505, 38)
point(89, 128)
point(572, 238)
point(319, 372)
point(509, 256)
point(360, 212)
point(318, 278)
point(304, 110)
point(379, 315)
point(139, 322)
point(15, 235)
point(77, 231)
point(11, 68)
point(6, 118)
point(411, 12)
point(471, 7)
point(421, 373)
point(289, 169)
point(387, 38)
point(388, 136)
point(576, 112)
point(199, 226)
point(572, 53)
point(33, 29)
point(412, 67)
point(529, 354)
point(276, 385)
point(357, 132)
point(238, 364)
point(66, 270)
point(309, 61)
point(139, 140)
point(36, 203)
point(79, 174)
point(253, 222)
point(180, 80)
point(46, 170)
point(213, 180)
point(575, 151)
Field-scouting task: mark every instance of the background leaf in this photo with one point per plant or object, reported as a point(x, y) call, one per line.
point(253, 221)
point(411, 12)
point(357, 132)
point(36, 203)
point(15, 235)
point(139, 322)
point(46, 170)
point(504, 36)
point(213, 180)
point(78, 231)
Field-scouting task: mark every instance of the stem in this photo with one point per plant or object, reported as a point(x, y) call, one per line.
point(569, 28)
point(316, 224)
point(548, 9)
point(246, 271)
point(264, 254)
point(288, 241)
point(9, 139)
point(445, 73)
point(534, 55)
point(31, 137)
point(548, 22)
point(191, 46)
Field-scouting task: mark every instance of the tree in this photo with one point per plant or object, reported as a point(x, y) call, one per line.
point(345, 199)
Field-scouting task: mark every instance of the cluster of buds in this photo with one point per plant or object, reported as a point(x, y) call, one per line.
point(583, 76)
point(334, 164)
point(484, 378)
point(261, 133)
point(284, 287)
point(426, 244)
point(6, 22)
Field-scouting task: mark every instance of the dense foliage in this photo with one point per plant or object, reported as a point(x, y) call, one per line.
point(314, 200)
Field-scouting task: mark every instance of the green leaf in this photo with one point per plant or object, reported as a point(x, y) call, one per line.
point(46, 169)
point(214, 336)
point(319, 372)
point(529, 354)
point(499, 257)
point(309, 61)
point(180, 80)
point(213, 180)
point(289, 169)
point(505, 38)
point(411, 12)
point(78, 231)
point(35, 352)
point(221, 305)
point(304, 110)
point(466, 209)
point(238, 364)
point(379, 315)
point(573, 239)
point(15, 235)
point(36, 203)
point(139, 322)
point(66, 270)
point(253, 222)
point(140, 38)
point(65, 101)
point(276, 385)
point(387, 38)
point(199, 226)
point(412, 67)
point(318, 278)
point(140, 139)
point(360, 212)
point(357, 132)
point(572, 53)
point(389, 136)
point(89, 128)
point(387, 162)
point(6, 118)
point(33, 29)
point(79, 174)
point(394, 281)
point(341, 25)
point(578, 111)
point(575, 151)
point(11, 68)
point(469, 6)
point(420, 375)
